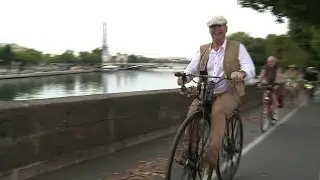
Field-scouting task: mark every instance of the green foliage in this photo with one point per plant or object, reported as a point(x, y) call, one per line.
point(132, 58)
point(304, 28)
point(66, 57)
point(6, 54)
point(299, 11)
point(281, 46)
point(29, 56)
point(139, 59)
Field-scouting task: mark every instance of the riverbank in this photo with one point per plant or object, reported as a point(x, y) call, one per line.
point(50, 73)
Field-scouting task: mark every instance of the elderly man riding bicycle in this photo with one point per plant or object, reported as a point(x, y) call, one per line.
point(220, 57)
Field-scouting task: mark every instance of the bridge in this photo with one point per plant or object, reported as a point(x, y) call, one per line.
point(290, 150)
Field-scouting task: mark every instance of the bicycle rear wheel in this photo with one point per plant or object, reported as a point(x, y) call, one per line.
point(231, 148)
point(192, 168)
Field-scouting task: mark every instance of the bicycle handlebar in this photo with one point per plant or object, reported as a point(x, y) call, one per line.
point(268, 86)
point(184, 75)
point(202, 75)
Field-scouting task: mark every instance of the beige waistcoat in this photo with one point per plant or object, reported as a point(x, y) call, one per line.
point(230, 63)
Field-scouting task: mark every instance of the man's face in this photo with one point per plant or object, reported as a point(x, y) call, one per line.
point(218, 32)
point(271, 62)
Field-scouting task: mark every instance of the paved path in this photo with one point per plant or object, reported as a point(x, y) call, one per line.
point(290, 151)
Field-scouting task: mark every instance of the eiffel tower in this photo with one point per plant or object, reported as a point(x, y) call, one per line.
point(105, 51)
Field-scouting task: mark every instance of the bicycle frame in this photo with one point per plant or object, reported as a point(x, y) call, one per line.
point(267, 100)
point(206, 98)
point(267, 97)
point(201, 89)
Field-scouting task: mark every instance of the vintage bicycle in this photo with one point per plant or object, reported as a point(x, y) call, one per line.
point(230, 154)
point(267, 113)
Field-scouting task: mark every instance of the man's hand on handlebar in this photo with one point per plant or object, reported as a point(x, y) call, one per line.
point(185, 78)
point(180, 81)
point(182, 78)
point(237, 76)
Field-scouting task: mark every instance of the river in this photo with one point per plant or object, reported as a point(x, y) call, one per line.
point(84, 84)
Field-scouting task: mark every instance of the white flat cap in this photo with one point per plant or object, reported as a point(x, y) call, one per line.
point(217, 20)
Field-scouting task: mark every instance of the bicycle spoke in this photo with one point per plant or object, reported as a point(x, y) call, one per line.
point(229, 157)
point(187, 174)
point(200, 175)
point(204, 136)
point(235, 141)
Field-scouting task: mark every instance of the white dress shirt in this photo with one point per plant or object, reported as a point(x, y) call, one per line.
point(215, 65)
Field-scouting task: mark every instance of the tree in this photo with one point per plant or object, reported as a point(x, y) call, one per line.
point(96, 55)
point(29, 56)
point(84, 57)
point(304, 23)
point(66, 57)
point(286, 50)
point(307, 37)
point(314, 45)
point(243, 37)
point(6, 54)
point(47, 58)
point(299, 11)
point(132, 59)
point(87, 57)
point(258, 52)
point(301, 34)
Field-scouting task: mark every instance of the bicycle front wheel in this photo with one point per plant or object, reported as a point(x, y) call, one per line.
point(265, 117)
point(187, 150)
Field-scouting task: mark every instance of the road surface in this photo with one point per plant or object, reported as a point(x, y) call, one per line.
point(290, 151)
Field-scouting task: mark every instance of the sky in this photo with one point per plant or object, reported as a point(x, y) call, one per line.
point(154, 28)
